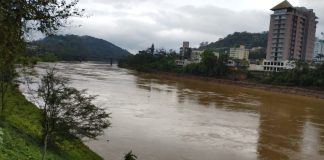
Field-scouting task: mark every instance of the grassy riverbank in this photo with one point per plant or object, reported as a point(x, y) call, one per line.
point(21, 135)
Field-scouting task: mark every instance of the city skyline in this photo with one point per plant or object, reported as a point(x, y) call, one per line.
point(135, 25)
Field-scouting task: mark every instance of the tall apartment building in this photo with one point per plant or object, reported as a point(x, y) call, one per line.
point(292, 33)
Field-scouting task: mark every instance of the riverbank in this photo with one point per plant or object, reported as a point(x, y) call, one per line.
point(21, 134)
point(254, 85)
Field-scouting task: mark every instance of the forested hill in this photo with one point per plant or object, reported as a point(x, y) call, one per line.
point(250, 40)
point(73, 47)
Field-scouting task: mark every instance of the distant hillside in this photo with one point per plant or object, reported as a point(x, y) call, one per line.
point(72, 47)
point(250, 40)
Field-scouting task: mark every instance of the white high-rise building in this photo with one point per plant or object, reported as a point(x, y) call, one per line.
point(319, 50)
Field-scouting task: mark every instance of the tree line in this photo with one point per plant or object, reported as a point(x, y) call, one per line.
point(210, 65)
point(303, 75)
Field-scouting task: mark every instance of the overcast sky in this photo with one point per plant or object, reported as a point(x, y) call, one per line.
point(136, 24)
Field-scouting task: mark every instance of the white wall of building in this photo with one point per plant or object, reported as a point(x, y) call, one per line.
point(318, 49)
point(273, 66)
point(239, 53)
point(196, 55)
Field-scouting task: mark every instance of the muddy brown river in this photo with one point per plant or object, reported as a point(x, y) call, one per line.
point(170, 118)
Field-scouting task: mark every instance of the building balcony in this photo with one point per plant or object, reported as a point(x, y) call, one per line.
point(278, 28)
point(276, 51)
point(280, 23)
point(277, 42)
point(277, 46)
point(279, 37)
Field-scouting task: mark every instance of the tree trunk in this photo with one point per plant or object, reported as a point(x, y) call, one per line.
point(4, 88)
point(2, 97)
point(45, 145)
point(46, 132)
point(2, 102)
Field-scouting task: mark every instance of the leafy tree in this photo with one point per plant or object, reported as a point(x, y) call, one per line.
point(6, 76)
point(213, 66)
point(130, 156)
point(318, 75)
point(208, 62)
point(237, 38)
point(147, 62)
point(258, 54)
point(1, 136)
point(221, 67)
point(18, 18)
point(67, 111)
point(302, 75)
point(48, 57)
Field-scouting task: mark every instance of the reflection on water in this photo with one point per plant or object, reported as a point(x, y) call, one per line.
point(163, 117)
point(290, 127)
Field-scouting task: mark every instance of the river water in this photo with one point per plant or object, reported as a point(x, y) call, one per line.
point(170, 118)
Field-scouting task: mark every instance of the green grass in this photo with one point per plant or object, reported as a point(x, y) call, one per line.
point(20, 135)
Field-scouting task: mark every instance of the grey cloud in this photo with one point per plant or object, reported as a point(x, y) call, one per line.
point(167, 26)
point(215, 20)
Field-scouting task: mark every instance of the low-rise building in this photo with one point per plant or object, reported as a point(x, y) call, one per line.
point(255, 67)
point(272, 66)
point(182, 62)
point(256, 49)
point(269, 65)
point(196, 55)
point(239, 53)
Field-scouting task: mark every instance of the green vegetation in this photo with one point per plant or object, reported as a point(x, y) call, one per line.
point(146, 62)
point(303, 76)
point(22, 134)
point(21, 123)
point(67, 112)
point(258, 54)
point(250, 40)
point(17, 20)
point(32, 60)
point(258, 41)
point(76, 48)
point(130, 156)
point(47, 57)
point(210, 65)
